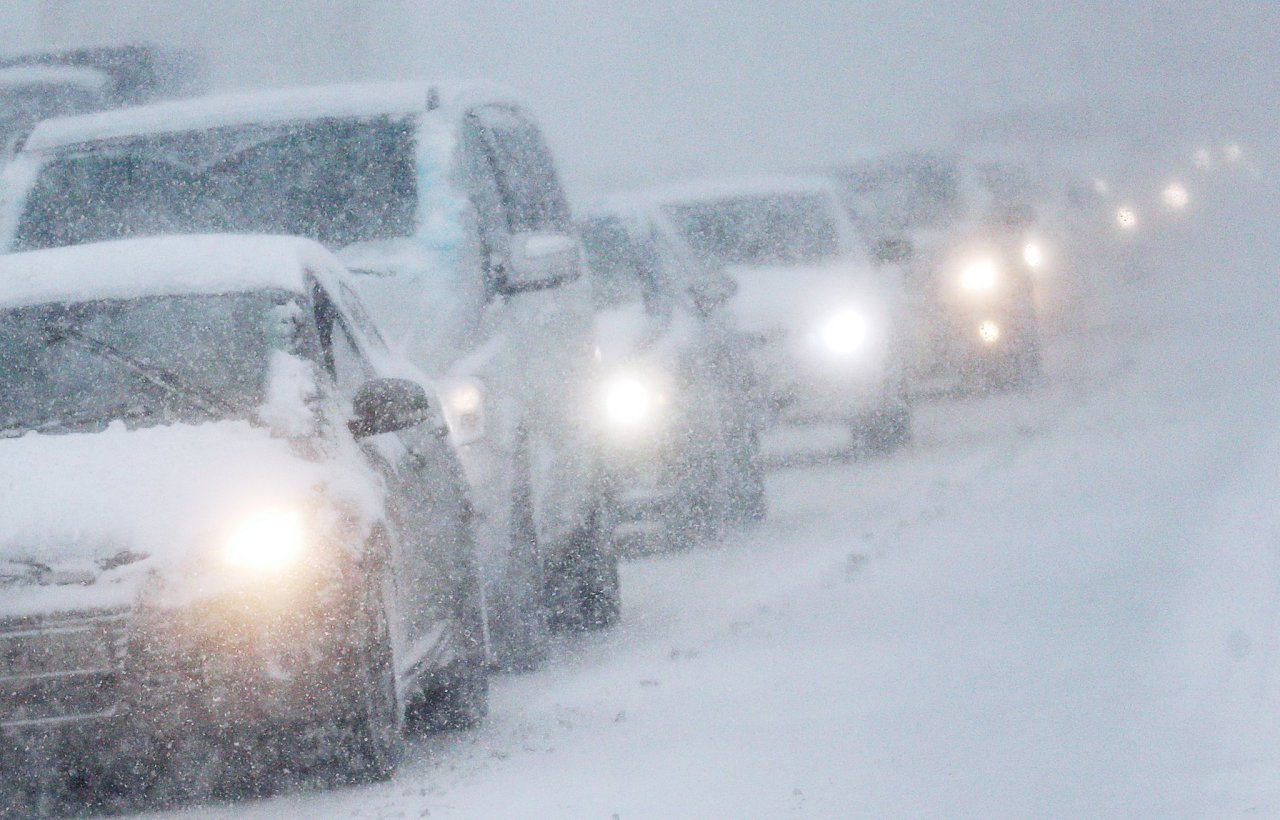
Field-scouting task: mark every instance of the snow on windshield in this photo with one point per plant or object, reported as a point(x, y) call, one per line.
point(334, 181)
point(151, 361)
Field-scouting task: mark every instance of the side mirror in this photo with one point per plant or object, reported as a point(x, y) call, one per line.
point(711, 292)
point(892, 250)
point(387, 405)
point(541, 260)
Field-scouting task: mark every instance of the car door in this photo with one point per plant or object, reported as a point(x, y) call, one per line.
point(421, 613)
point(549, 330)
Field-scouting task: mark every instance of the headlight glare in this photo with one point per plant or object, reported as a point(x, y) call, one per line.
point(979, 275)
point(1033, 254)
point(266, 541)
point(844, 332)
point(1175, 196)
point(631, 401)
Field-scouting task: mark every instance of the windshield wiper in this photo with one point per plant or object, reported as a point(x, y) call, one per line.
point(130, 411)
point(165, 379)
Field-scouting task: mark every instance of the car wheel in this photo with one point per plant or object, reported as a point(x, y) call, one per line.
point(746, 494)
point(518, 628)
point(376, 737)
point(458, 700)
point(887, 430)
point(584, 588)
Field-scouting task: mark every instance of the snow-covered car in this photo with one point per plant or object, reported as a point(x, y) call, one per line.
point(679, 418)
point(445, 203)
point(36, 85)
point(232, 524)
point(966, 237)
point(825, 325)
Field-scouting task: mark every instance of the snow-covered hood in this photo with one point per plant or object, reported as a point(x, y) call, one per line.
point(109, 507)
point(794, 297)
point(627, 332)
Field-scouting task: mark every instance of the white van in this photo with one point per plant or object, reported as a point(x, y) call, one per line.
point(445, 203)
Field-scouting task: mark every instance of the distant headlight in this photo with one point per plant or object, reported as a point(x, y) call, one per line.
point(266, 541)
point(1126, 218)
point(1175, 196)
point(989, 332)
point(844, 332)
point(632, 402)
point(1033, 255)
point(979, 275)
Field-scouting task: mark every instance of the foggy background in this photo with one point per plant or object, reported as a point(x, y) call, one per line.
point(636, 92)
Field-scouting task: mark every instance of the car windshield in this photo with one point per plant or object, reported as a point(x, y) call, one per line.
point(337, 181)
point(146, 361)
point(780, 229)
point(623, 270)
point(902, 195)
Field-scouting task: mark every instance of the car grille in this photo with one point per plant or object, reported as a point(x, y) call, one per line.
point(61, 670)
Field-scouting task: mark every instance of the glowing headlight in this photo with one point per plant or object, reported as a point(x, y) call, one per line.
point(1100, 186)
point(267, 541)
point(1203, 158)
point(1175, 196)
point(1126, 218)
point(1033, 255)
point(631, 401)
point(844, 333)
point(1232, 152)
point(979, 275)
point(989, 332)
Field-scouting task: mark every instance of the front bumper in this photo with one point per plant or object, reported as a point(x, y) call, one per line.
point(802, 384)
point(220, 666)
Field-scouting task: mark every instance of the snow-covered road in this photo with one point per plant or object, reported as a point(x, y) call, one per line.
point(1051, 604)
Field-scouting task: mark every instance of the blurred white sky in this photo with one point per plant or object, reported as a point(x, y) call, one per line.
point(634, 91)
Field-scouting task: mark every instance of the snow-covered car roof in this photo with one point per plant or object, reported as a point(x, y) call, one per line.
point(732, 187)
point(264, 107)
point(87, 79)
point(163, 265)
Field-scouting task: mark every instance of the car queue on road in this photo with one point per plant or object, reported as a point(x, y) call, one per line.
point(371, 415)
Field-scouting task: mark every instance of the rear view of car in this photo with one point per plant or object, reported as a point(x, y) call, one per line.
point(677, 415)
point(230, 527)
point(824, 324)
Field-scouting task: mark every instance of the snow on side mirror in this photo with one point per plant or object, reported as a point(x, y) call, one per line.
point(541, 260)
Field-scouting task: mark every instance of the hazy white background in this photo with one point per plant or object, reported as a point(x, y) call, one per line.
point(633, 90)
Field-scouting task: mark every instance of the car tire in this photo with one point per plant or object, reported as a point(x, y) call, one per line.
point(519, 628)
point(747, 502)
point(458, 699)
point(375, 730)
point(888, 430)
point(584, 588)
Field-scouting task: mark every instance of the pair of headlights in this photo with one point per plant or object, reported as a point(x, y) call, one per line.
point(982, 274)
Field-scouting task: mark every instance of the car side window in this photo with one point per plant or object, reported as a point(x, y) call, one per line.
point(340, 354)
point(525, 173)
point(487, 200)
point(351, 371)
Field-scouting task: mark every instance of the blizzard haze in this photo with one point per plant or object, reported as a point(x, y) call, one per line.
point(637, 91)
